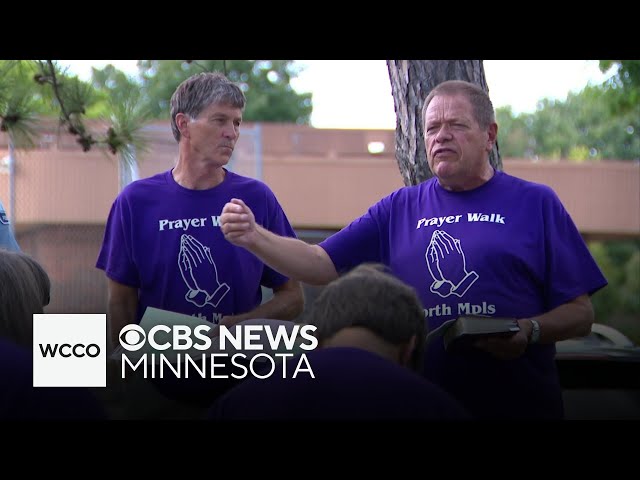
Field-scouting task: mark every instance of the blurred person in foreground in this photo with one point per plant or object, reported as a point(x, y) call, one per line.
point(371, 336)
point(24, 291)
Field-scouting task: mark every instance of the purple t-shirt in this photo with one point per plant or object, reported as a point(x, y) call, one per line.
point(507, 249)
point(166, 241)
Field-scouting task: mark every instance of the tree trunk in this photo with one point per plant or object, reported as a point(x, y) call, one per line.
point(411, 82)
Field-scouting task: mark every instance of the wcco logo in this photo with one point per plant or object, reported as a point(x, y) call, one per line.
point(79, 350)
point(69, 350)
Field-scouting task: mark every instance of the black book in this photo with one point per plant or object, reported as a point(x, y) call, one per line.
point(467, 329)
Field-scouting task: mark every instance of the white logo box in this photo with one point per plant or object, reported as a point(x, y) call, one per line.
point(79, 341)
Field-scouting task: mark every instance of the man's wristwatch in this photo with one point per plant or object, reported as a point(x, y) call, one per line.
point(534, 337)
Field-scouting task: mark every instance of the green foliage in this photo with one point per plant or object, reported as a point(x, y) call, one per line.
point(17, 79)
point(624, 85)
point(631, 289)
point(578, 154)
point(606, 300)
point(127, 116)
point(618, 304)
point(265, 83)
point(515, 140)
point(552, 130)
point(588, 121)
point(111, 87)
point(20, 102)
point(128, 103)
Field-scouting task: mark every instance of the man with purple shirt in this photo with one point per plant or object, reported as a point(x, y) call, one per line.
point(163, 246)
point(471, 240)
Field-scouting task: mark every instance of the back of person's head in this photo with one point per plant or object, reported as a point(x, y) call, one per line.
point(25, 290)
point(201, 90)
point(478, 98)
point(375, 300)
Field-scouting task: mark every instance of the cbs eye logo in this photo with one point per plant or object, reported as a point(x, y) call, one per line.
point(132, 337)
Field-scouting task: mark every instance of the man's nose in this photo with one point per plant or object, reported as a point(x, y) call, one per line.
point(443, 134)
point(230, 133)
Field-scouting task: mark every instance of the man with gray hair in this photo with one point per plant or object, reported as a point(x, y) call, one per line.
point(470, 240)
point(163, 246)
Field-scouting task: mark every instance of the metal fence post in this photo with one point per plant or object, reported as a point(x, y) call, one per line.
point(12, 185)
point(257, 143)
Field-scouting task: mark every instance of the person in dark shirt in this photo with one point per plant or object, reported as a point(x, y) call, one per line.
point(24, 290)
point(371, 332)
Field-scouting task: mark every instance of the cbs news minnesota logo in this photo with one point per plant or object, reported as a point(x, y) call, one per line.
point(69, 350)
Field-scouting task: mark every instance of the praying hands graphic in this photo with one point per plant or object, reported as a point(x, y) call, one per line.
point(200, 273)
point(448, 266)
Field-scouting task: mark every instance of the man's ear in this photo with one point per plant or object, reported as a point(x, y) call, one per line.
point(406, 351)
point(182, 122)
point(492, 136)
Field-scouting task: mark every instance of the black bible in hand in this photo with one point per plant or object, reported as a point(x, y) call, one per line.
point(466, 329)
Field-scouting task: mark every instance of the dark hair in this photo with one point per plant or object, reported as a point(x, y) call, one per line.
point(370, 297)
point(25, 290)
point(479, 99)
point(199, 91)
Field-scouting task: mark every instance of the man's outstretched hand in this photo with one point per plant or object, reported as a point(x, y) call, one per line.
point(238, 223)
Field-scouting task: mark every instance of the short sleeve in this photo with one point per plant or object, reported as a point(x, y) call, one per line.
point(115, 256)
point(362, 240)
